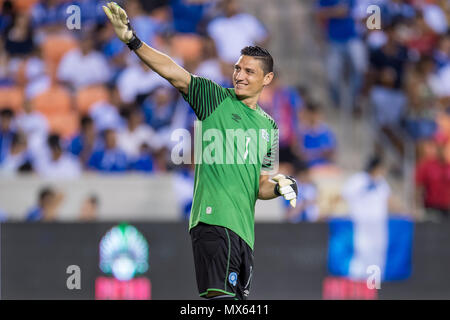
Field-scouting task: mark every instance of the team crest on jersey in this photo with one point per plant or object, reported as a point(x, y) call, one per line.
point(265, 135)
point(232, 278)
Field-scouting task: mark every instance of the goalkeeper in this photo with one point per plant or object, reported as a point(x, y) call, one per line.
point(222, 216)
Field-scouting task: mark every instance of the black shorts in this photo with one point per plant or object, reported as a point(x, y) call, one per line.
point(223, 261)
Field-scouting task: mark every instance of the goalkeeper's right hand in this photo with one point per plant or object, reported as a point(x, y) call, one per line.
point(120, 22)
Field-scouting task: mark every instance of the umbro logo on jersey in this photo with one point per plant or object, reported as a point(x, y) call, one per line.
point(236, 117)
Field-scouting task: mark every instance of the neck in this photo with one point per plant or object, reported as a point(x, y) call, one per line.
point(251, 102)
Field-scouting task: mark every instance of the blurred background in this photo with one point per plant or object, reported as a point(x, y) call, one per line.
point(362, 100)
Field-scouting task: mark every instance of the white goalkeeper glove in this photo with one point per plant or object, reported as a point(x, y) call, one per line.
point(287, 187)
point(122, 26)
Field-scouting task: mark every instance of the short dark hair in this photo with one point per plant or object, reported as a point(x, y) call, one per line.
point(313, 106)
point(7, 113)
point(374, 162)
point(44, 193)
point(85, 121)
point(261, 54)
point(53, 141)
point(300, 166)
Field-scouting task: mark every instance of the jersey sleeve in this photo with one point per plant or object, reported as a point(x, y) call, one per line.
point(204, 96)
point(270, 160)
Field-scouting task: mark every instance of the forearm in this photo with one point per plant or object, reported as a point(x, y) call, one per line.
point(165, 67)
point(267, 190)
point(155, 60)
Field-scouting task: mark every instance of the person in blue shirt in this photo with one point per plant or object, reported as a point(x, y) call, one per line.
point(159, 107)
point(91, 12)
point(344, 48)
point(144, 163)
point(50, 13)
point(85, 142)
point(49, 201)
point(109, 158)
point(307, 209)
point(188, 15)
point(316, 142)
point(6, 132)
point(3, 216)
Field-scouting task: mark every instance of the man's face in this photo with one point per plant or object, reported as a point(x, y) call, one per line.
point(230, 7)
point(379, 172)
point(313, 117)
point(135, 119)
point(5, 123)
point(249, 78)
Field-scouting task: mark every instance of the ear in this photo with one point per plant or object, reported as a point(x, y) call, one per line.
point(268, 78)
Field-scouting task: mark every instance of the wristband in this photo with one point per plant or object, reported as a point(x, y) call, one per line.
point(135, 43)
point(277, 190)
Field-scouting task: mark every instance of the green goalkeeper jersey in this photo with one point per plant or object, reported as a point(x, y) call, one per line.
point(234, 146)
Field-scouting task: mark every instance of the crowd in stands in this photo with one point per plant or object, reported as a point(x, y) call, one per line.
point(73, 101)
point(402, 68)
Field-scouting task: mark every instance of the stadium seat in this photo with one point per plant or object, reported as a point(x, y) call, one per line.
point(54, 101)
point(24, 5)
point(12, 97)
point(55, 47)
point(66, 124)
point(87, 96)
point(187, 46)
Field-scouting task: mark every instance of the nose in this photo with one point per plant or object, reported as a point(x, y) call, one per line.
point(239, 75)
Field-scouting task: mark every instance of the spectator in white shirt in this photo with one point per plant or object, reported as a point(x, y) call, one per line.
point(106, 113)
point(84, 66)
point(58, 164)
point(135, 80)
point(234, 31)
point(368, 197)
point(136, 133)
point(37, 80)
point(35, 127)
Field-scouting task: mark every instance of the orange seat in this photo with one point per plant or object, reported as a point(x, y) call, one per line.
point(12, 97)
point(87, 96)
point(188, 47)
point(54, 101)
point(24, 5)
point(66, 124)
point(55, 47)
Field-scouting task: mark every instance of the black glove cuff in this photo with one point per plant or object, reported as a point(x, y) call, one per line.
point(135, 43)
point(277, 190)
point(294, 186)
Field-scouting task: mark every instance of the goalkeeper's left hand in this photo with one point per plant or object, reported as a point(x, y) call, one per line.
point(120, 22)
point(287, 187)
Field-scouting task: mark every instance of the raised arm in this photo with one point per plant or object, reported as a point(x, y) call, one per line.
point(154, 59)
